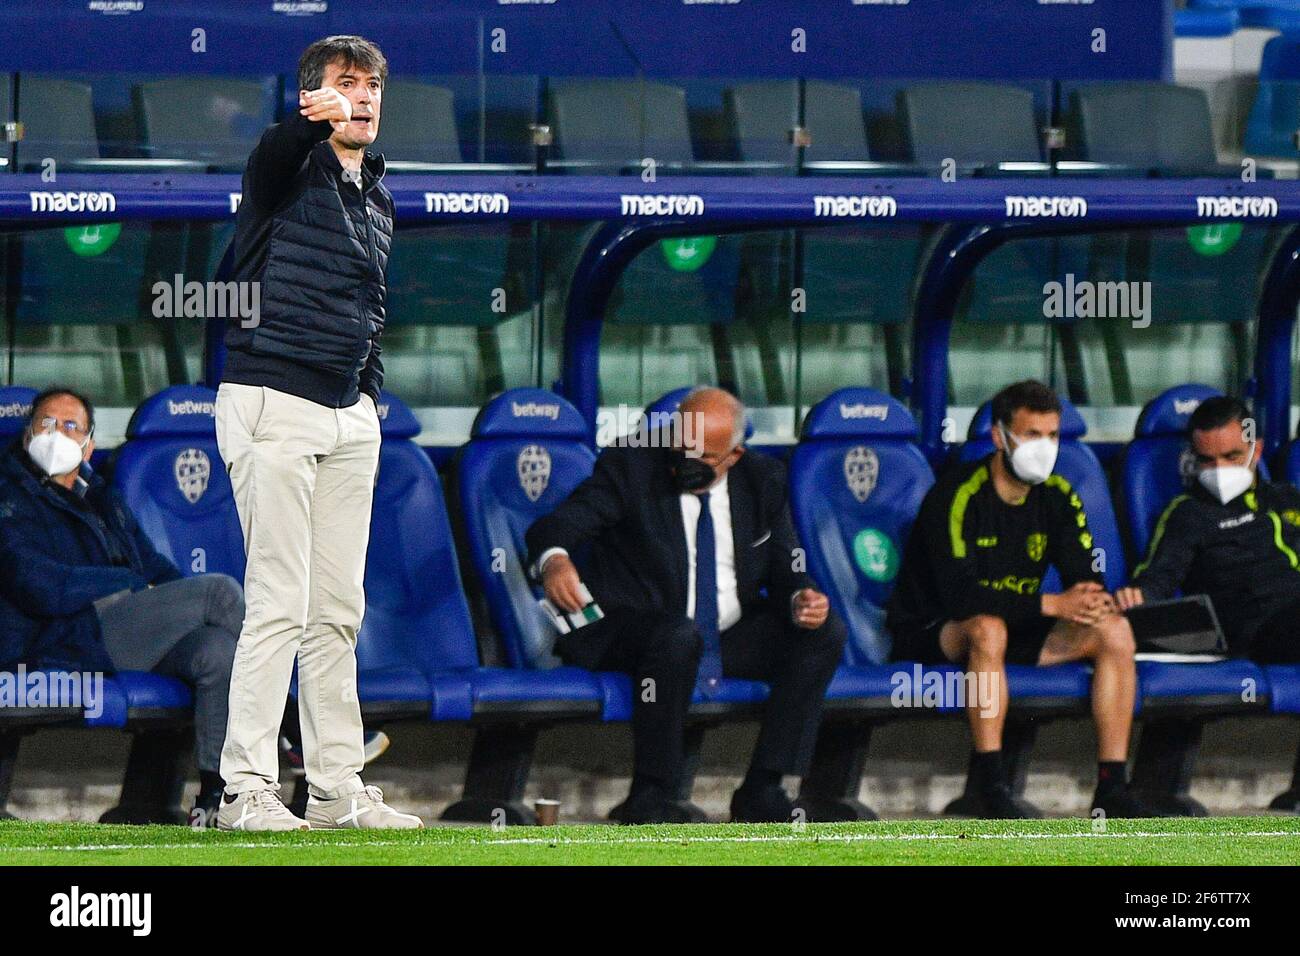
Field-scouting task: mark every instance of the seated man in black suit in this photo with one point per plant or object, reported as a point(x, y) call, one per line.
point(647, 514)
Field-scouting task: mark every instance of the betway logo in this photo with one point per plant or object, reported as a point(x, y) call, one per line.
point(73, 202)
point(857, 207)
point(496, 204)
point(191, 407)
point(1046, 207)
point(663, 205)
point(535, 410)
point(854, 412)
point(15, 410)
point(1186, 406)
point(1236, 207)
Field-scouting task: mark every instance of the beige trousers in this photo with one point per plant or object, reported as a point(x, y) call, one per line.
point(303, 477)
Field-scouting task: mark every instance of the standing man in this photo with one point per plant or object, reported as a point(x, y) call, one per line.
point(298, 429)
point(693, 563)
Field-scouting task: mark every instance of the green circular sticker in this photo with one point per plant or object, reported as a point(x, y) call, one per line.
point(92, 240)
point(687, 255)
point(1214, 239)
point(876, 555)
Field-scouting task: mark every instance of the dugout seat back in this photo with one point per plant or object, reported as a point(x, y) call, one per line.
point(416, 612)
point(176, 484)
point(1079, 467)
point(528, 449)
point(419, 123)
point(856, 484)
point(669, 402)
point(936, 113)
point(217, 120)
point(1275, 115)
point(15, 410)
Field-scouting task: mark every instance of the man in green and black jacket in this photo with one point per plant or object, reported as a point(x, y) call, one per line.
point(970, 592)
point(1231, 536)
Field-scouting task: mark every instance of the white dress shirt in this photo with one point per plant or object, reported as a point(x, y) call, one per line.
point(725, 545)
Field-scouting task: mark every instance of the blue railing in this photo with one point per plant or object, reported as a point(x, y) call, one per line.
point(982, 215)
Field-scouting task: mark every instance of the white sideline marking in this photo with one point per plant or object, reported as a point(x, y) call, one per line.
point(650, 840)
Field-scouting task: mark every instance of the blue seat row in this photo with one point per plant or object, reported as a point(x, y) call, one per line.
point(857, 480)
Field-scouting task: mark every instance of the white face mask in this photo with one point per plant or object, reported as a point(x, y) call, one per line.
point(55, 452)
point(1228, 481)
point(1032, 461)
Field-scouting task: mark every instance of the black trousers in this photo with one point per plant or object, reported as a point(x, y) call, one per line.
point(1277, 640)
point(661, 653)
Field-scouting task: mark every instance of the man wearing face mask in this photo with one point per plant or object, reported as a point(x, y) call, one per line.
point(970, 592)
point(1230, 536)
point(681, 541)
point(82, 588)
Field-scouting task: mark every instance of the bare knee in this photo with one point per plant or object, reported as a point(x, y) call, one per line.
point(1115, 638)
point(986, 636)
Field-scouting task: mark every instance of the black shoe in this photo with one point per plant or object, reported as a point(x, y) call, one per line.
point(1122, 803)
point(766, 804)
point(1287, 802)
point(999, 803)
point(647, 806)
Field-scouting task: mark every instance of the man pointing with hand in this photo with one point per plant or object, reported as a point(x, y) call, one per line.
point(298, 428)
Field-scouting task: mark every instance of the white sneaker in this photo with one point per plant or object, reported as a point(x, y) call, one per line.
point(257, 810)
point(364, 809)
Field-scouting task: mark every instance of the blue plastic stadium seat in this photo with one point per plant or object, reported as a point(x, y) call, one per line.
point(1155, 466)
point(856, 483)
point(528, 450)
point(1078, 465)
point(1155, 470)
point(15, 410)
point(1222, 685)
point(417, 624)
point(130, 696)
point(1284, 684)
point(1275, 114)
point(174, 481)
point(1264, 14)
point(856, 470)
point(1206, 23)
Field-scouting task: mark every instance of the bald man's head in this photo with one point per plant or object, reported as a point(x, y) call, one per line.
point(715, 421)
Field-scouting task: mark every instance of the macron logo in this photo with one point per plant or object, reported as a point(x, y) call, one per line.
point(1046, 207)
point(191, 407)
point(1186, 406)
point(496, 204)
point(860, 411)
point(535, 410)
point(1236, 207)
point(73, 202)
point(855, 207)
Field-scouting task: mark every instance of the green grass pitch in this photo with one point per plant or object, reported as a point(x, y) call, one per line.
point(1225, 840)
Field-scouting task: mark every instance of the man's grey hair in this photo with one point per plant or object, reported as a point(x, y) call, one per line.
point(739, 412)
